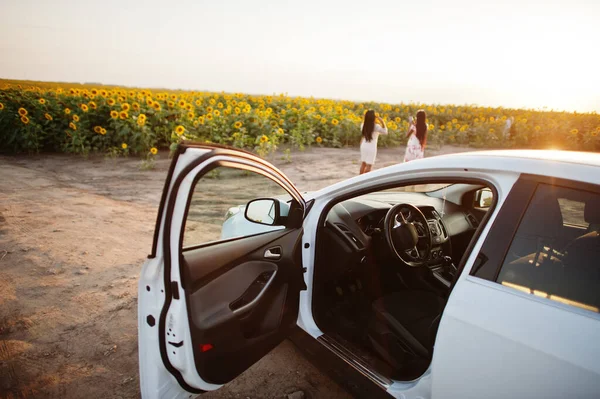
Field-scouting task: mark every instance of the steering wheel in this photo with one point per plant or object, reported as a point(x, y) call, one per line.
point(407, 234)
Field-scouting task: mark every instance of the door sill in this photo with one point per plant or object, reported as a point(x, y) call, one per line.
point(354, 361)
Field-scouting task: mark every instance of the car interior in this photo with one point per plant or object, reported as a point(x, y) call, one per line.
point(385, 263)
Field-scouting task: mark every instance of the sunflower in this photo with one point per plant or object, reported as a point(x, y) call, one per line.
point(209, 117)
point(280, 131)
point(324, 121)
point(153, 151)
point(209, 109)
point(125, 107)
point(141, 121)
point(273, 123)
point(75, 118)
point(212, 101)
point(189, 107)
point(72, 126)
point(156, 106)
point(281, 121)
point(173, 97)
point(574, 132)
point(94, 92)
point(25, 119)
point(123, 115)
point(135, 106)
point(22, 112)
point(594, 133)
point(92, 105)
point(319, 140)
point(114, 114)
point(264, 139)
point(124, 146)
point(191, 115)
point(111, 101)
point(237, 125)
point(179, 130)
point(237, 110)
point(216, 112)
point(98, 129)
point(334, 122)
point(220, 105)
point(103, 131)
point(492, 130)
point(42, 101)
point(48, 116)
point(1, 106)
point(181, 103)
point(67, 111)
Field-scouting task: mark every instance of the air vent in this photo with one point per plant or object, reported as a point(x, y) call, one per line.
point(472, 220)
point(342, 227)
point(349, 234)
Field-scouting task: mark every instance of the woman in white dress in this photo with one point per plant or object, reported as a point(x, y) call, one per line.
point(417, 138)
point(368, 143)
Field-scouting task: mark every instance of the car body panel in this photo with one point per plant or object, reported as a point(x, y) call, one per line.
point(484, 326)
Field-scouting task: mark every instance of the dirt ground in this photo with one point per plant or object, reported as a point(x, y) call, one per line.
point(74, 233)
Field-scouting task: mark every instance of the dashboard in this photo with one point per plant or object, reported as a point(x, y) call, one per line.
point(358, 222)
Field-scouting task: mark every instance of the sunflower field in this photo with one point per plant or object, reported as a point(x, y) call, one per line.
point(82, 119)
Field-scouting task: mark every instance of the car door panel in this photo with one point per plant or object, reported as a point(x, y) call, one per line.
point(204, 263)
point(245, 302)
point(208, 312)
point(500, 339)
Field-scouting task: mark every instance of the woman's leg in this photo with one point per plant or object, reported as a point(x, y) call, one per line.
point(362, 168)
point(368, 168)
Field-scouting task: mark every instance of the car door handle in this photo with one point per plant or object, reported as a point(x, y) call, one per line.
point(273, 253)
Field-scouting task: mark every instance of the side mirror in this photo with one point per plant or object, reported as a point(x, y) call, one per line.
point(263, 211)
point(483, 198)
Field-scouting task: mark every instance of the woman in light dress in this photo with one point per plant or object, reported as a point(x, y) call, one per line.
point(368, 144)
point(417, 138)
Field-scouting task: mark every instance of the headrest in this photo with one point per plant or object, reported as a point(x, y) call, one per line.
point(592, 210)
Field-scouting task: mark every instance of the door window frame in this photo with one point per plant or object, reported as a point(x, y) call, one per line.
point(394, 184)
point(244, 160)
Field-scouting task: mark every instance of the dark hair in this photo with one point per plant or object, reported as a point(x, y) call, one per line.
point(368, 125)
point(422, 128)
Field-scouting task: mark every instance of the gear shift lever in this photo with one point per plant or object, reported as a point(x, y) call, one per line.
point(448, 268)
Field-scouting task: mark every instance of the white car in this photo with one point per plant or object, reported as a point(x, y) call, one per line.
point(474, 275)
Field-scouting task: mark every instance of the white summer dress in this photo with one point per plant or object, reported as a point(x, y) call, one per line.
point(368, 149)
point(414, 150)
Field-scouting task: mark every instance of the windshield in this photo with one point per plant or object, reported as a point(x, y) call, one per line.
point(419, 188)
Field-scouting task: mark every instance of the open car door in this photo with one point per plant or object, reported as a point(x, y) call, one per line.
point(213, 302)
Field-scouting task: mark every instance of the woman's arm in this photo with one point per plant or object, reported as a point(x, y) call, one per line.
point(411, 130)
point(383, 129)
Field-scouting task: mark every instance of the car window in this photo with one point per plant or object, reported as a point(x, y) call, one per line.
point(218, 201)
point(552, 255)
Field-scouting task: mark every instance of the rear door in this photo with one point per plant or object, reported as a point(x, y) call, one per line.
point(218, 291)
point(523, 319)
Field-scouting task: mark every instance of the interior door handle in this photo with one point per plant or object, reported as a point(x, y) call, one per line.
point(273, 253)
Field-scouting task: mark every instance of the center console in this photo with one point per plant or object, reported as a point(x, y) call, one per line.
point(439, 263)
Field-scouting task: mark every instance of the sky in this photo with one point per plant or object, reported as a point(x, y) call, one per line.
point(525, 53)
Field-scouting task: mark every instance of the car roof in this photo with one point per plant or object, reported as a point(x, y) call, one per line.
point(582, 158)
